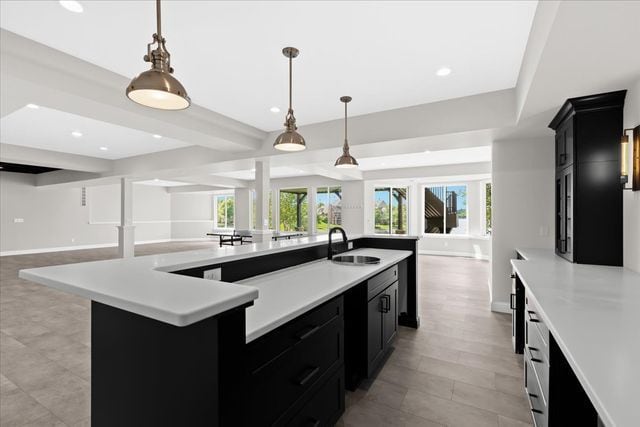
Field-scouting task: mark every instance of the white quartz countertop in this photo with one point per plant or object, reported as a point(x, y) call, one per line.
point(143, 285)
point(593, 313)
point(286, 294)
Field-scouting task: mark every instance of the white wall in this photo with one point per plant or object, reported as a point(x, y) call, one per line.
point(631, 199)
point(523, 206)
point(191, 215)
point(54, 217)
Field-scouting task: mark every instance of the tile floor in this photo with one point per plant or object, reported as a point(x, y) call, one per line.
point(456, 370)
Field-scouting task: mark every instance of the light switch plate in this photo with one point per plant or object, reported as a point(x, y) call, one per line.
point(214, 274)
point(349, 245)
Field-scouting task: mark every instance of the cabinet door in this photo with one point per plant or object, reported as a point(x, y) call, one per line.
point(374, 343)
point(390, 314)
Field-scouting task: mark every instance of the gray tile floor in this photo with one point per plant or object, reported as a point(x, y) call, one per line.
point(456, 370)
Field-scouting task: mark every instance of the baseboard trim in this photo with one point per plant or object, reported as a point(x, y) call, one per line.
point(96, 246)
point(456, 254)
point(500, 307)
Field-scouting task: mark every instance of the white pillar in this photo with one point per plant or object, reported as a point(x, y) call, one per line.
point(126, 235)
point(263, 186)
point(242, 197)
point(311, 198)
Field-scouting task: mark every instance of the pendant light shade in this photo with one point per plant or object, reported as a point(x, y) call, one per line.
point(290, 139)
point(346, 160)
point(157, 88)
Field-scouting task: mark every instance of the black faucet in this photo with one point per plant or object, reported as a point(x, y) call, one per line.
point(331, 252)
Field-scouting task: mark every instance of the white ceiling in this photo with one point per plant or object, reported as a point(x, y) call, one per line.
point(275, 172)
point(50, 129)
point(162, 183)
point(227, 54)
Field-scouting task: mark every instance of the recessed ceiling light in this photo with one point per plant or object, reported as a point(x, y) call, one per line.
point(274, 109)
point(33, 106)
point(72, 6)
point(156, 136)
point(76, 134)
point(104, 148)
point(444, 71)
point(156, 179)
point(427, 151)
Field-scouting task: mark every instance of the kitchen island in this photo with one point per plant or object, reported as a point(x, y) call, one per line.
point(169, 347)
point(581, 355)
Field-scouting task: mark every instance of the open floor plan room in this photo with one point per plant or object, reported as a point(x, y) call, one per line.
point(319, 213)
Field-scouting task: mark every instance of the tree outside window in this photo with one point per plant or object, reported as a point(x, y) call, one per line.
point(224, 211)
point(390, 211)
point(487, 208)
point(328, 208)
point(294, 209)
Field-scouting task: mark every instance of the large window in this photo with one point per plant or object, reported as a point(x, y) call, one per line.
point(445, 210)
point(487, 208)
point(224, 211)
point(328, 208)
point(391, 210)
point(294, 210)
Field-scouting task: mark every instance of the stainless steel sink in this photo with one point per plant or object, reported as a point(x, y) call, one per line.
point(355, 260)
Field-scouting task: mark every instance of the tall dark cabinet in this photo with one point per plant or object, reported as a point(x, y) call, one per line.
point(588, 189)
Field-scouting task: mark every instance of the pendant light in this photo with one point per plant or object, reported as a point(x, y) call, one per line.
point(346, 160)
point(290, 140)
point(157, 88)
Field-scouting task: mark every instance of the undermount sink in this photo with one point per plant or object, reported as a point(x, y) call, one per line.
point(356, 260)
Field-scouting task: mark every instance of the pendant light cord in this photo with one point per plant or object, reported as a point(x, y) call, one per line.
point(345, 122)
point(158, 19)
point(290, 83)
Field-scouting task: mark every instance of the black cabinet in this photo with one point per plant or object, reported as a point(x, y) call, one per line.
point(296, 372)
point(517, 314)
point(588, 190)
point(382, 316)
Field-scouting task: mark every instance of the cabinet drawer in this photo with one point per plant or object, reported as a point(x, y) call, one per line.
point(537, 404)
point(379, 282)
point(276, 386)
point(268, 347)
point(532, 316)
point(326, 405)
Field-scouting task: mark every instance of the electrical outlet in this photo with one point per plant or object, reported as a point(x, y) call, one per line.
point(214, 274)
point(18, 220)
point(349, 245)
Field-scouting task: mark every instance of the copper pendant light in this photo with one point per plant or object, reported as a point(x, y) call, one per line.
point(157, 88)
point(346, 160)
point(290, 139)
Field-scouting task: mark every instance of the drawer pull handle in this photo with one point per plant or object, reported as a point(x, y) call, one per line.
point(306, 334)
point(385, 303)
point(535, 396)
point(512, 305)
point(513, 276)
point(531, 318)
point(537, 411)
point(311, 372)
point(534, 359)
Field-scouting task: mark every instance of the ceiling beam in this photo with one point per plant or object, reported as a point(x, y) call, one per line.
point(41, 75)
point(34, 156)
point(429, 171)
point(194, 189)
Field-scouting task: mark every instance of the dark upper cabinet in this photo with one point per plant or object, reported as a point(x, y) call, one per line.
point(588, 190)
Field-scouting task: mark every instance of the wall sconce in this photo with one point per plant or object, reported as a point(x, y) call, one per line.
point(625, 156)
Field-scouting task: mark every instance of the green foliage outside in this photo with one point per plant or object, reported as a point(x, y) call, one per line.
point(289, 212)
point(487, 204)
point(225, 211)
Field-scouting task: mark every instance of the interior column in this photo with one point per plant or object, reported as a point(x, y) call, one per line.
point(243, 208)
point(263, 186)
point(126, 234)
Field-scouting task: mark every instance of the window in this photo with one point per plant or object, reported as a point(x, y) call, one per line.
point(294, 210)
point(328, 208)
point(391, 210)
point(224, 211)
point(445, 210)
point(487, 208)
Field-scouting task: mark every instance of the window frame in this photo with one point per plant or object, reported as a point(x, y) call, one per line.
point(444, 235)
point(407, 188)
point(226, 219)
point(278, 217)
